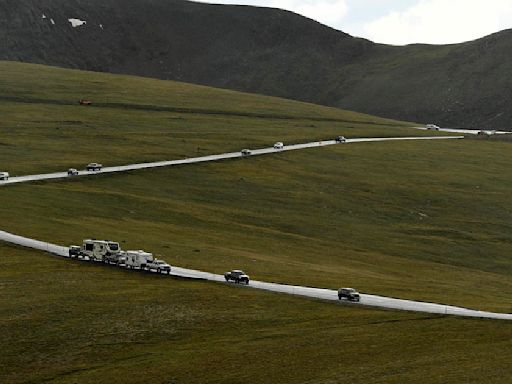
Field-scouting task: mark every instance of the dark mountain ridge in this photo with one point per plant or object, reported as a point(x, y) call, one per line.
point(267, 51)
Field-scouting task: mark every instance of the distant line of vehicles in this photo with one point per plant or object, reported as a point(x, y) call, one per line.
point(96, 167)
point(433, 127)
point(92, 167)
point(110, 252)
point(280, 145)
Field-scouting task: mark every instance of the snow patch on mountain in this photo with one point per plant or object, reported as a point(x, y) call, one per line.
point(77, 22)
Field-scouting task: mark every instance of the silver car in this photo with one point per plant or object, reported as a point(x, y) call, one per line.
point(94, 167)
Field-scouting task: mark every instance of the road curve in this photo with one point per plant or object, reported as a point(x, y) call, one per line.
point(202, 159)
point(466, 131)
point(317, 293)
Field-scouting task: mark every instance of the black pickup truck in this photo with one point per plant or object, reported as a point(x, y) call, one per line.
point(237, 276)
point(348, 293)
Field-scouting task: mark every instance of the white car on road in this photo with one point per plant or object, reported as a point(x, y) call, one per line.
point(432, 127)
point(278, 145)
point(94, 167)
point(4, 175)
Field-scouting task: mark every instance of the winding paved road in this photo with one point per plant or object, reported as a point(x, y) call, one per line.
point(202, 159)
point(317, 293)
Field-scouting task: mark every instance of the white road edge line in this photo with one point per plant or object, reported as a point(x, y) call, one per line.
point(317, 293)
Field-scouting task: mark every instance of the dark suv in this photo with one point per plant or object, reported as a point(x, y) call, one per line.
point(348, 293)
point(237, 276)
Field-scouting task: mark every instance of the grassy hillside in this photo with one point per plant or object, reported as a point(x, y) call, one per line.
point(135, 119)
point(421, 220)
point(78, 323)
point(404, 227)
point(266, 51)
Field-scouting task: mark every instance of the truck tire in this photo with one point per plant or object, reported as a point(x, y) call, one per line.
point(227, 279)
point(247, 282)
point(158, 270)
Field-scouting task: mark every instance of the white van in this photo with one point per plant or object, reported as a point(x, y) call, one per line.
point(4, 175)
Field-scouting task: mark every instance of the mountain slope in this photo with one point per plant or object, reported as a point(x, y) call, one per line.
point(266, 51)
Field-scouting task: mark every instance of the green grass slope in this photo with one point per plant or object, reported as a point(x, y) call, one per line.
point(134, 119)
point(65, 322)
point(420, 220)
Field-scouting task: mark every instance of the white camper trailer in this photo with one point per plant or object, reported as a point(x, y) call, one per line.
point(138, 259)
point(102, 250)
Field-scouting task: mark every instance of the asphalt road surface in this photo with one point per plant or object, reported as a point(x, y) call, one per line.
point(202, 159)
point(488, 132)
point(317, 293)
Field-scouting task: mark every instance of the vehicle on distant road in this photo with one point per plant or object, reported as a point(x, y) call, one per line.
point(486, 133)
point(85, 102)
point(349, 294)
point(4, 176)
point(278, 145)
point(340, 139)
point(72, 172)
point(237, 276)
point(159, 266)
point(432, 127)
point(94, 167)
point(74, 251)
point(246, 152)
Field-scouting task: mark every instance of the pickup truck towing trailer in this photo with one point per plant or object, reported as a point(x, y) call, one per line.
point(102, 250)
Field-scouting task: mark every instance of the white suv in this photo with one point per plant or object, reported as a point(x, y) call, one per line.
point(159, 265)
point(4, 175)
point(278, 145)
